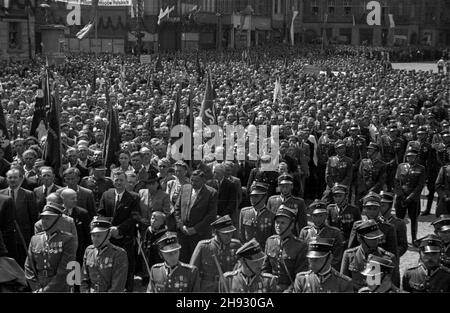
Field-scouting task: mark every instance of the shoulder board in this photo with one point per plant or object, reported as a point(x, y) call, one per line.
point(39, 233)
point(234, 240)
point(342, 276)
point(273, 237)
point(232, 273)
point(158, 265)
point(204, 241)
point(247, 208)
point(304, 273)
point(334, 228)
point(386, 252)
point(66, 233)
point(268, 275)
point(445, 268)
point(352, 250)
point(274, 197)
point(91, 247)
point(188, 265)
point(296, 198)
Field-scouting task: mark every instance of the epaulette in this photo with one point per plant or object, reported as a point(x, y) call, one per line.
point(305, 273)
point(268, 275)
point(334, 228)
point(158, 265)
point(90, 247)
point(234, 240)
point(296, 198)
point(273, 237)
point(205, 241)
point(246, 208)
point(66, 233)
point(390, 254)
point(342, 276)
point(188, 265)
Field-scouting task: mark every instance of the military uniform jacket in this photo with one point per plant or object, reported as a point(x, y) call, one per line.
point(372, 180)
point(342, 173)
point(325, 148)
point(285, 258)
point(333, 281)
point(256, 224)
point(292, 202)
point(412, 184)
point(202, 258)
point(48, 255)
point(392, 149)
point(236, 282)
point(427, 157)
point(445, 256)
point(105, 269)
point(182, 278)
point(443, 182)
point(354, 261)
point(418, 279)
point(400, 231)
point(355, 148)
point(312, 232)
point(443, 156)
point(344, 220)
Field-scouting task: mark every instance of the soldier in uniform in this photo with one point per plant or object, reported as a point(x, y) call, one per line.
point(97, 181)
point(172, 275)
point(409, 181)
point(443, 148)
point(442, 230)
point(48, 254)
point(321, 277)
point(354, 259)
point(285, 184)
point(378, 273)
point(248, 276)
point(392, 148)
point(339, 169)
point(321, 229)
point(341, 214)
point(105, 265)
point(222, 247)
point(443, 190)
point(356, 149)
point(371, 173)
point(325, 149)
point(286, 255)
point(427, 157)
point(256, 221)
point(430, 275)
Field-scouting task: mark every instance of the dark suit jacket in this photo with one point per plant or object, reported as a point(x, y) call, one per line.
point(40, 197)
point(7, 227)
point(125, 216)
point(29, 184)
point(82, 222)
point(85, 200)
point(201, 213)
point(227, 196)
point(26, 212)
point(83, 171)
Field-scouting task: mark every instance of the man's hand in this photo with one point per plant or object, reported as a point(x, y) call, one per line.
point(115, 232)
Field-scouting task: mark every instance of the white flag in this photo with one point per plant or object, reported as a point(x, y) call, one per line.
point(84, 31)
point(294, 15)
point(391, 21)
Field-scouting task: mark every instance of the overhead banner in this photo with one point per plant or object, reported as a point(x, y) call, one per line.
point(105, 3)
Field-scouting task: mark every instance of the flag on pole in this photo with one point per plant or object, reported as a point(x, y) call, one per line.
point(85, 30)
point(112, 138)
point(39, 123)
point(294, 15)
point(164, 14)
point(391, 21)
point(53, 147)
point(277, 92)
point(207, 110)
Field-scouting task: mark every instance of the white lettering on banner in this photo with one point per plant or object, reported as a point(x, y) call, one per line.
point(74, 276)
point(74, 16)
point(374, 16)
point(109, 3)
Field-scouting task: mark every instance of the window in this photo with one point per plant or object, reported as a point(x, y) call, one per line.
point(315, 7)
point(14, 35)
point(331, 6)
point(347, 7)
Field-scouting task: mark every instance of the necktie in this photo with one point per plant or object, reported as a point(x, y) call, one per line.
point(45, 190)
point(13, 196)
point(117, 202)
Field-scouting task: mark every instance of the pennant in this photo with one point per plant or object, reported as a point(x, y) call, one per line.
point(207, 110)
point(85, 30)
point(39, 123)
point(391, 21)
point(294, 15)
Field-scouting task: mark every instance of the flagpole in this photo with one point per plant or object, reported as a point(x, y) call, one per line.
point(96, 29)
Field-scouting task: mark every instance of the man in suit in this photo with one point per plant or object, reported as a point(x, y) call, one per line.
point(26, 212)
point(226, 204)
point(123, 209)
point(84, 159)
point(47, 178)
point(139, 169)
point(7, 224)
point(72, 156)
point(71, 177)
point(195, 210)
point(81, 219)
point(29, 158)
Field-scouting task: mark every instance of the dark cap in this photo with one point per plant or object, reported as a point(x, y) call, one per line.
point(374, 145)
point(421, 130)
point(371, 199)
point(339, 143)
point(251, 250)
point(387, 196)
point(181, 163)
point(52, 209)
point(320, 247)
point(285, 179)
point(412, 151)
point(318, 207)
point(354, 127)
point(369, 229)
point(286, 211)
point(168, 242)
point(100, 224)
point(430, 244)
point(442, 223)
point(373, 262)
point(98, 165)
point(223, 224)
point(338, 188)
point(259, 188)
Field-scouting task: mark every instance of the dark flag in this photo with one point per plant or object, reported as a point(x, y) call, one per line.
point(53, 147)
point(39, 123)
point(190, 123)
point(176, 110)
point(4, 137)
point(112, 139)
point(208, 111)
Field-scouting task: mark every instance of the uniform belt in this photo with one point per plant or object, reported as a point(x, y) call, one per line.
point(210, 277)
point(46, 273)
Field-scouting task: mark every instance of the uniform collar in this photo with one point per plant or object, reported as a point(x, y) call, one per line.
point(103, 248)
point(324, 276)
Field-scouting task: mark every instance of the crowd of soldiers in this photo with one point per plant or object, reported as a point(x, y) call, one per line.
point(357, 146)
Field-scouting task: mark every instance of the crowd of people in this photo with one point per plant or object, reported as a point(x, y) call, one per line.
point(357, 145)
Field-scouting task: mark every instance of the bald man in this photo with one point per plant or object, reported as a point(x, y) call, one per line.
point(81, 219)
